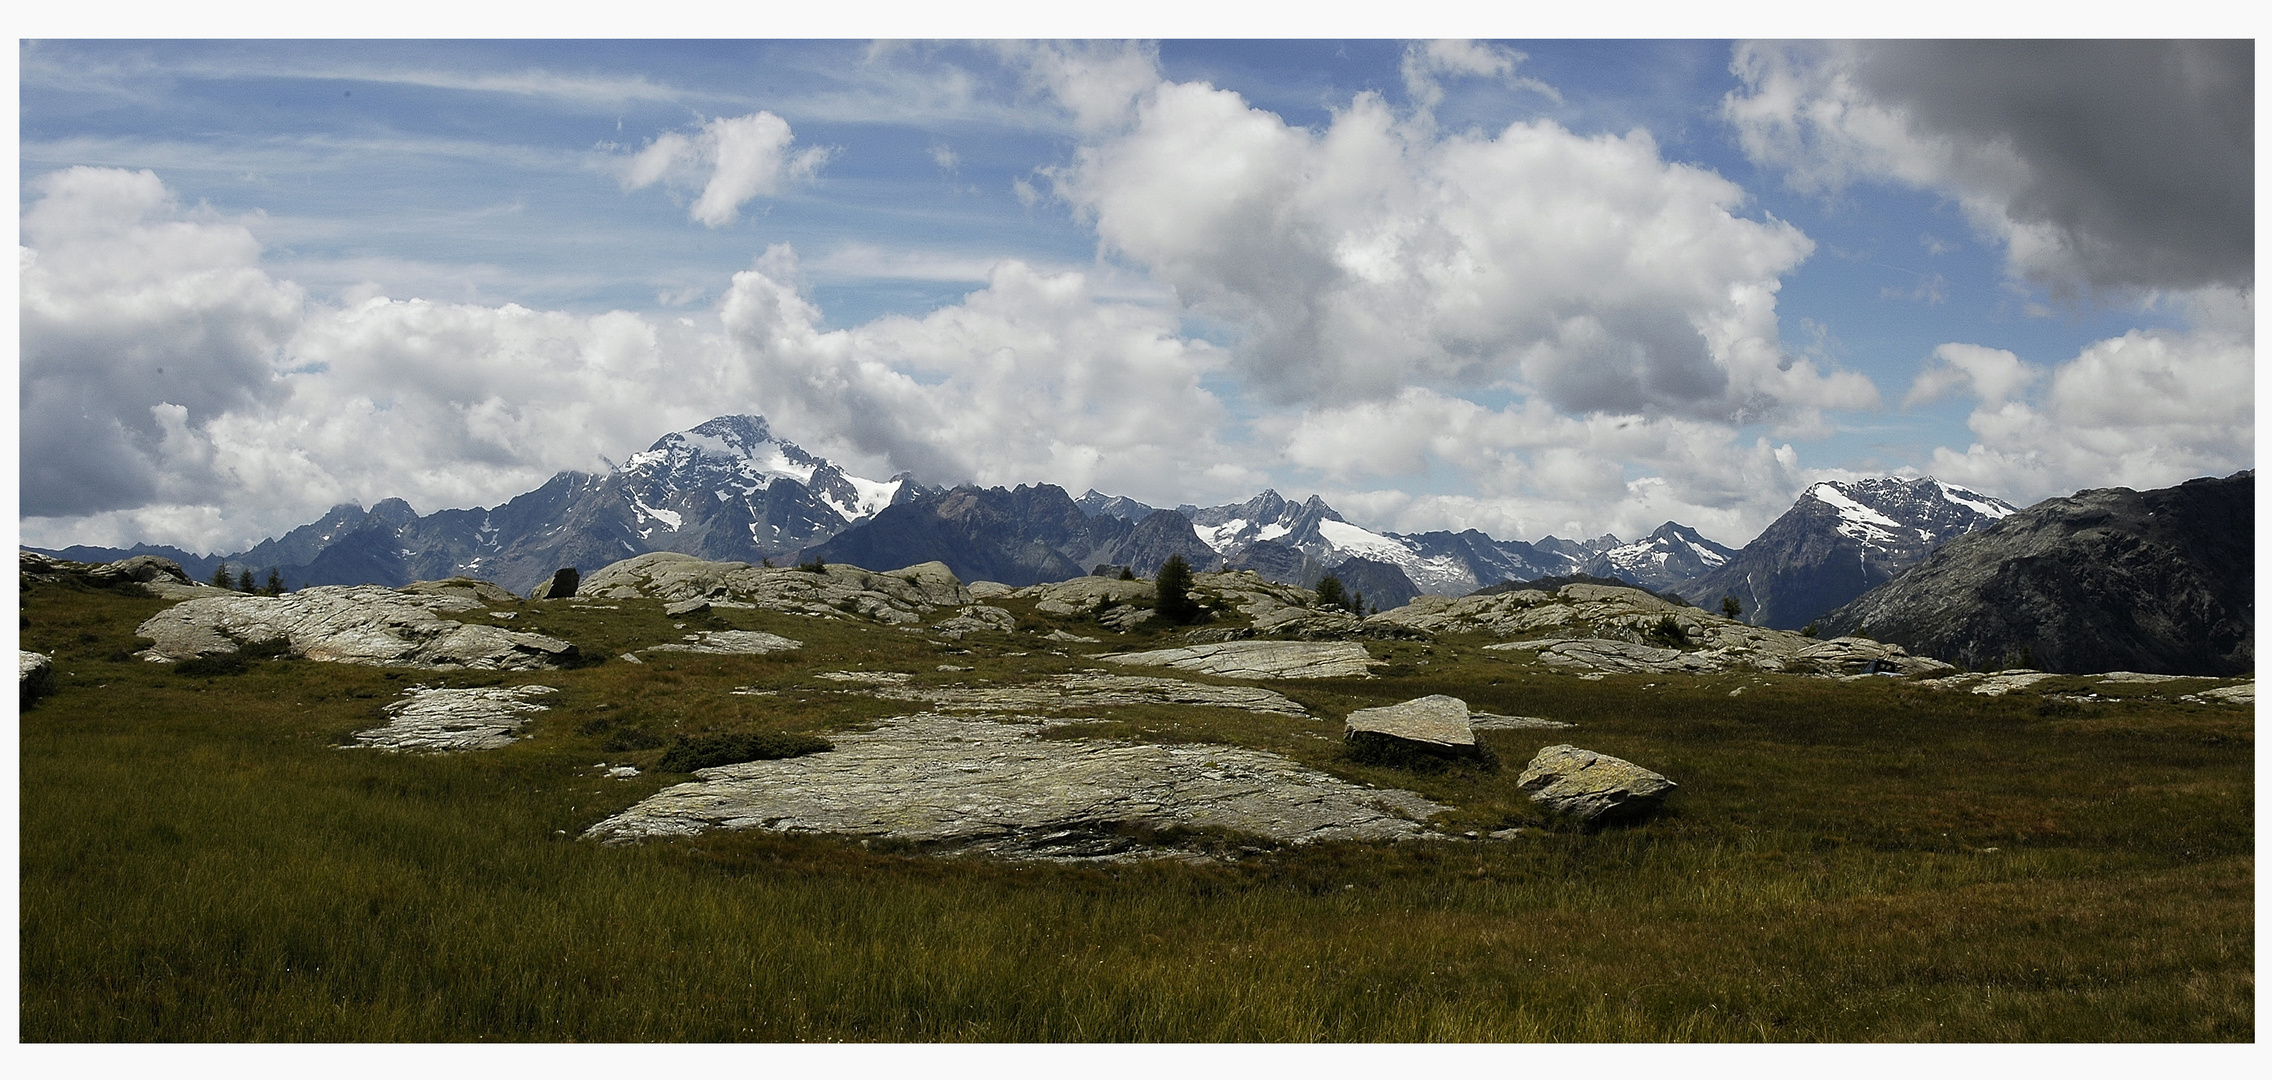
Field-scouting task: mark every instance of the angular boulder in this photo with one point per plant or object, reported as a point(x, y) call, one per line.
point(1437, 722)
point(1594, 789)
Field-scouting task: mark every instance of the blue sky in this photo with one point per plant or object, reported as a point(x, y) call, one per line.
point(1528, 287)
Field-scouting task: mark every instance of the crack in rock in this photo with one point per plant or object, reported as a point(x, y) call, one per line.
point(441, 720)
point(990, 786)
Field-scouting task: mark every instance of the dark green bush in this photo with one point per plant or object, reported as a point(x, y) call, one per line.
point(711, 750)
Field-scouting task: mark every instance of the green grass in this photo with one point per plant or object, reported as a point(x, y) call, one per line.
point(201, 860)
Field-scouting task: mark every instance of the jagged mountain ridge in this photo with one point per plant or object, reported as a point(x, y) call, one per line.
point(1026, 536)
point(1839, 540)
point(725, 489)
point(1666, 560)
point(2107, 579)
point(729, 489)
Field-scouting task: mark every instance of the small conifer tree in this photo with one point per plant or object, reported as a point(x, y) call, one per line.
point(275, 582)
point(221, 576)
point(244, 580)
point(1730, 606)
point(1330, 593)
point(1172, 591)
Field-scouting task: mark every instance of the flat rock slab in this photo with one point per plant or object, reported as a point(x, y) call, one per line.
point(440, 720)
point(1593, 788)
point(1260, 659)
point(1477, 721)
point(1436, 720)
point(1999, 685)
point(352, 624)
point(730, 643)
point(2243, 694)
point(992, 787)
point(1090, 691)
point(2119, 677)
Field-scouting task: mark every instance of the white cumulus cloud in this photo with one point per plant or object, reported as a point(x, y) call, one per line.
point(736, 159)
point(1375, 254)
point(2147, 409)
point(1029, 379)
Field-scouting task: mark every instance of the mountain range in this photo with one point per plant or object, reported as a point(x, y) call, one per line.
point(731, 489)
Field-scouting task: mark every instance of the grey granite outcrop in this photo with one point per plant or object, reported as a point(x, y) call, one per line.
point(1590, 787)
point(35, 675)
point(1437, 721)
point(991, 787)
point(1260, 659)
point(440, 720)
point(905, 596)
point(730, 643)
point(1087, 692)
point(352, 624)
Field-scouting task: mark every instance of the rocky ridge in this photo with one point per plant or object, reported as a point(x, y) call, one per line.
point(2158, 581)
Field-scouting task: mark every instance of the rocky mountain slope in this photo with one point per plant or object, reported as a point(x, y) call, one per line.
point(2107, 579)
point(730, 489)
point(727, 488)
point(1839, 540)
point(1667, 560)
point(1020, 537)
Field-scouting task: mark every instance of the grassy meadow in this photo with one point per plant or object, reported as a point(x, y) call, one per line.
point(201, 859)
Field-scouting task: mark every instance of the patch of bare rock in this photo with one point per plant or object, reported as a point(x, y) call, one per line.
point(982, 786)
point(905, 596)
point(443, 720)
point(730, 643)
point(1592, 788)
point(1088, 692)
point(355, 624)
point(1260, 659)
point(153, 575)
point(1606, 628)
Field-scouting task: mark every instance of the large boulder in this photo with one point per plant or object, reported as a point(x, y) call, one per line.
point(35, 675)
point(1594, 789)
point(352, 624)
point(1436, 722)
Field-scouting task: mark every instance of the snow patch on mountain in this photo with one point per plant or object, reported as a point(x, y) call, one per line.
point(1974, 501)
point(1352, 540)
point(1854, 519)
point(871, 496)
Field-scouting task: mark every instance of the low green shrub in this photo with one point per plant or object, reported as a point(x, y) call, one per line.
point(712, 750)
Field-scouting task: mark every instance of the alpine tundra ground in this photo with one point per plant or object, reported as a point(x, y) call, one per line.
point(207, 857)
